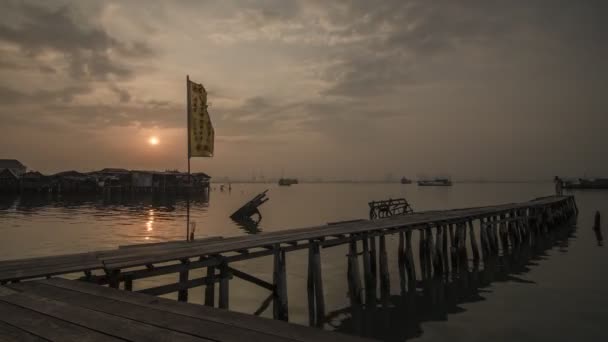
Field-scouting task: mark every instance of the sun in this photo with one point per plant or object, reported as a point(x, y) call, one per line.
point(153, 141)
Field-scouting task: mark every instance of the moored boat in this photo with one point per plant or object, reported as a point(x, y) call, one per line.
point(435, 182)
point(287, 181)
point(582, 183)
point(405, 180)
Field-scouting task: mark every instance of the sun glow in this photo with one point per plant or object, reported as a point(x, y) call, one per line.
point(153, 141)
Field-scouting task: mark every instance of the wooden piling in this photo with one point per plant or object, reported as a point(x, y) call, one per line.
point(401, 263)
point(474, 247)
point(422, 257)
point(438, 265)
point(385, 282)
point(315, 286)
point(210, 287)
point(280, 307)
point(444, 249)
point(370, 284)
point(128, 284)
point(409, 261)
point(430, 245)
point(354, 279)
point(224, 289)
point(182, 294)
point(373, 261)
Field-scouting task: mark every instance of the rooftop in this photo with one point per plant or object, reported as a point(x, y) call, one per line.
point(10, 164)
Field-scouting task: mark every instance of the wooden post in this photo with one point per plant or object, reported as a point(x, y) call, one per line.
point(385, 282)
point(444, 248)
point(113, 278)
point(422, 253)
point(503, 234)
point(182, 294)
point(224, 289)
point(128, 284)
point(409, 261)
point(354, 280)
point(373, 261)
point(370, 284)
point(483, 236)
point(401, 263)
point(463, 241)
point(438, 266)
point(210, 287)
point(280, 306)
point(316, 301)
point(430, 246)
point(453, 248)
point(474, 247)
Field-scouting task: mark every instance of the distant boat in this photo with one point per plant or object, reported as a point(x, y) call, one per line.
point(404, 180)
point(287, 181)
point(435, 182)
point(582, 183)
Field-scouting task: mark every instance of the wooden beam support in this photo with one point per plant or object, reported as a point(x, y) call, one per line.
point(252, 279)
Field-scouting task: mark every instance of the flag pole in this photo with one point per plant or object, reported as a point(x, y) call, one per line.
point(188, 137)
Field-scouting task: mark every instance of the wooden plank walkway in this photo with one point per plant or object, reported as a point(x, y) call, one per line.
point(122, 258)
point(68, 310)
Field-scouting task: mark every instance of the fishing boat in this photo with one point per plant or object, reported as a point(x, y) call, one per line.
point(582, 183)
point(287, 181)
point(435, 182)
point(405, 180)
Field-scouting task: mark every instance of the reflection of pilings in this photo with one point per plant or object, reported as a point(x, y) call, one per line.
point(441, 296)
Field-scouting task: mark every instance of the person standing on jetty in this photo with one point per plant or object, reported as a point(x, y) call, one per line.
point(559, 185)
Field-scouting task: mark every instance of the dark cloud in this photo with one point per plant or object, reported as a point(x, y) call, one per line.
point(10, 96)
point(416, 37)
point(86, 46)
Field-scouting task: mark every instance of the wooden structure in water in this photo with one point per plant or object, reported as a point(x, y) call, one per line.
point(444, 237)
point(388, 208)
point(250, 208)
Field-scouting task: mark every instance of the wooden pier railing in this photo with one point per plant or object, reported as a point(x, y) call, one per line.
point(442, 242)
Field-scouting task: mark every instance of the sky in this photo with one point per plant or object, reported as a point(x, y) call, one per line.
point(473, 89)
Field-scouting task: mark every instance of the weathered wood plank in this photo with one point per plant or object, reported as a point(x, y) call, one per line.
point(94, 320)
point(46, 327)
point(230, 318)
point(8, 333)
point(154, 317)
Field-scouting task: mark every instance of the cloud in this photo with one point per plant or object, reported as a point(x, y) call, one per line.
point(86, 46)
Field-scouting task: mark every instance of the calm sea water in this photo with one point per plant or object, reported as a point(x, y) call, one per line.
point(555, 291)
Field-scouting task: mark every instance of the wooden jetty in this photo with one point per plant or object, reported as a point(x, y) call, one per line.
point(442, 242)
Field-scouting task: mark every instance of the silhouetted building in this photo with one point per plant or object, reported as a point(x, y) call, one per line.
point(13, 165)
point(8, 181)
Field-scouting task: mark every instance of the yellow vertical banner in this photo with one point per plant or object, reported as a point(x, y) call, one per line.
point(200, 130)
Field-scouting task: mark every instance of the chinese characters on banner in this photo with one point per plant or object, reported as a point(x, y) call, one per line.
point(201, 132)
